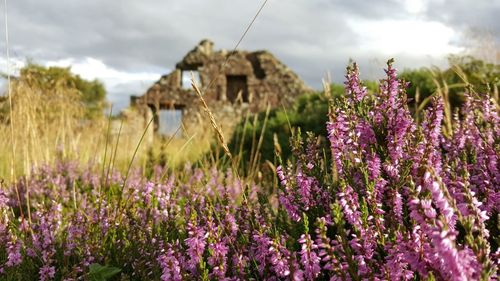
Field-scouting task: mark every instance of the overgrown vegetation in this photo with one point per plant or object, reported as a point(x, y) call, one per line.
point(56, 116)
point(309, 112)
point(387, 198)
point(49, 80)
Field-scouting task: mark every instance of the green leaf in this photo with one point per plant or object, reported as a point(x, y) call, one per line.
point(102, 273)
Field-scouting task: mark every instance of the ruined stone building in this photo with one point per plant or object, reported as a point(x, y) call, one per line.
point(239, 82)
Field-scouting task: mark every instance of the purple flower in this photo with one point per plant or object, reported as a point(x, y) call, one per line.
point(396, 265)
point(338, 135)
point(196, 243)
point(14, 256)
point(452, 263)
point(170, 266)
point(348, 200)
point(279, 257)
point(261, 251)
point(309, 258)
point(353, 86)
point(47, 272)
point(304, 186)
point(281, 176)
point(439, 199)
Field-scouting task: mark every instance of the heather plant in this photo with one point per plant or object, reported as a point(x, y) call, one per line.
point(400, 201)
point(387, 200)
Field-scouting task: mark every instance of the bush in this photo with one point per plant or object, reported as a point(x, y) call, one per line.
point(307, 114)
point(399, 201)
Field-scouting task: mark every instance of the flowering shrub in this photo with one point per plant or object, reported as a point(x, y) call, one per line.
point(395, 200)
point(400, 201)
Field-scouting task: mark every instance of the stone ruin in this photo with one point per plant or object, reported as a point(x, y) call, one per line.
point(240, 82)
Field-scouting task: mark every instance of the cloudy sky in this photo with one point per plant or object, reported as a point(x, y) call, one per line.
point(128, 44)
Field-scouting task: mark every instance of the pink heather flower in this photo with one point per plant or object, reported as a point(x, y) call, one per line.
point(147, 192)
point(239, 262)
point(269, 253)
point(76, 231)
point(260, 251)
point(365, 134)
point(445, 246)
point(312, 153)
point(287, 196)
point(373, 165)
point(413, 249)
point(47, 272)
point(196, 243)
point(398, 207)
point(348, 200)
point(170, 266)
point(427, 152)
point(396, 265)
point(364, 248)
point(281, 175)
point(391, 110)
point(231, 224)
point(442, 203)
point(353, 87)
point(399, 128)
point(432, 124)
point(429, 211)
point(14, 256)
point(287, 200)
point(338, 134)
point(389, 88)
point(309, 258)
point(218, 259)
point(304, 184)
point(279, 257)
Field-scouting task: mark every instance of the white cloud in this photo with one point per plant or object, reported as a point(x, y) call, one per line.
point(413, 37)
point(416, 6)
point(120, 85)
point(91, 68)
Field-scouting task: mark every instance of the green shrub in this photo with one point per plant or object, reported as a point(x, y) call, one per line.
point(309, 113)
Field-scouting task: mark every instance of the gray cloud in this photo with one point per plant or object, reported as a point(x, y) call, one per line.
point(311, 36)
point(465, 14)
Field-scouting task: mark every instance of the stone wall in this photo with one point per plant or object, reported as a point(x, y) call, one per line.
point(267, 81)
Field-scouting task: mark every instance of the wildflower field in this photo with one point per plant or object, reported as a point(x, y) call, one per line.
point(387, 198)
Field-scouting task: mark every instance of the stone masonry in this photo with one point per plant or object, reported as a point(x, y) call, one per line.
point(239, 82)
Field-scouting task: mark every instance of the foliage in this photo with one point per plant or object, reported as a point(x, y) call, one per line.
point(399, 201)
point(309, 113)
point(102, 273)
point(464, 71)
point(47, 80)
point(483, 76)
point(421, 80)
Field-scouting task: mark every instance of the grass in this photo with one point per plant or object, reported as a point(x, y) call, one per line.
point(49, 126)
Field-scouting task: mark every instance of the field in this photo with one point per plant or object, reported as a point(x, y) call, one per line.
point(390, 192)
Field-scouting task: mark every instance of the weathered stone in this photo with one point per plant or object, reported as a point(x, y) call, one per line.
point(232, 84)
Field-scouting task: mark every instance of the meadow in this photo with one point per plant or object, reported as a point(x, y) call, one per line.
point(394, 189)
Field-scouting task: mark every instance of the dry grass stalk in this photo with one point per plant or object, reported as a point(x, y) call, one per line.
point(327, 81)
point(216, 127)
